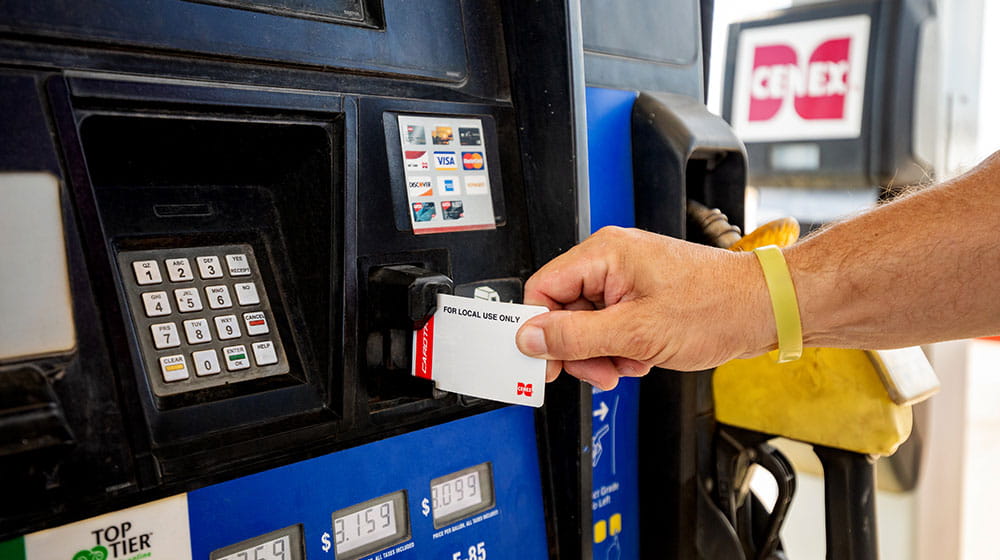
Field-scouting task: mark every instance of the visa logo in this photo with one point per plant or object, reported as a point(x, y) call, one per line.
point(445, 161)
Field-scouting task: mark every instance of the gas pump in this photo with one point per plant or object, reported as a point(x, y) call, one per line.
point(231, 216)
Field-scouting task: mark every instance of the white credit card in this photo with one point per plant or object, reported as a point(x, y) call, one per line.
point(468, 348)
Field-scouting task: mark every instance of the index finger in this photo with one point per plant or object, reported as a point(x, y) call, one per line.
point(574, 275)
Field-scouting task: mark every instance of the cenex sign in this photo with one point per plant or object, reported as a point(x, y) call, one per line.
point(801, 81)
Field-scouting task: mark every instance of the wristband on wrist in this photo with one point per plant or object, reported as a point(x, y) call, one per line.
point(783, 302)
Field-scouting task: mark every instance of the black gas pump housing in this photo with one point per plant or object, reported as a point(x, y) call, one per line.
point(260, 123)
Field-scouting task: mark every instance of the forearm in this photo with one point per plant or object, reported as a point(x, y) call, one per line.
point(922, 269)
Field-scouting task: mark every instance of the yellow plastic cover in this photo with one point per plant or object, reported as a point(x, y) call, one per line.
point(830, 396)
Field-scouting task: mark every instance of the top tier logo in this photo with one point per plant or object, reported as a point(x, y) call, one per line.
point(801, 80)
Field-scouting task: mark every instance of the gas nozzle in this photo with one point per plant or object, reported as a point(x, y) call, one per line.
point(809, 400)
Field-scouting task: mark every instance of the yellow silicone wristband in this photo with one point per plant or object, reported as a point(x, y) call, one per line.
point(783, 302)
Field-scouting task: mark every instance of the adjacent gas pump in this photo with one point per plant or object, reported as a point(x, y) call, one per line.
point(826, 96)
point(656, 157)
point(231, 217)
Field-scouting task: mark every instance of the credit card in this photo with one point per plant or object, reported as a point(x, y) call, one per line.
point(468, 348)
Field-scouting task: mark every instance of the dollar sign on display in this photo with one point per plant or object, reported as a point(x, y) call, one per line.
point(326, 542)
point(425, 507)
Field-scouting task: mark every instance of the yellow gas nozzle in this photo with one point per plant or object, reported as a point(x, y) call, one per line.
point(831, 397)
point(781, 232)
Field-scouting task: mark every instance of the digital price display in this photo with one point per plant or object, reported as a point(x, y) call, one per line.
point(371, 526)
point(461, 494)
point(283, 544)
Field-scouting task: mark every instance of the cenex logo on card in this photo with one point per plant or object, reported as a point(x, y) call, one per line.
point(445, 161)
point(525, 389)
point(417, 160)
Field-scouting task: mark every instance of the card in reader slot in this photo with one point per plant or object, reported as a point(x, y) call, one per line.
point(468, 348)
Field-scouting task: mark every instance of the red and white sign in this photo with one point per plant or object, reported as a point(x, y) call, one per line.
point(801, 81)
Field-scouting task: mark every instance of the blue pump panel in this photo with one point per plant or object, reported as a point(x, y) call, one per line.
point(615, 498)
point(308, 493)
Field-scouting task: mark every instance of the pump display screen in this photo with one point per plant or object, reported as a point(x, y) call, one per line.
point(462, 494)
point(370, 526)
point(446, 174)
point(283, 544)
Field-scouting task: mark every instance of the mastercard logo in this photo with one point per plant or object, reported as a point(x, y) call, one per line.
point(473, 161)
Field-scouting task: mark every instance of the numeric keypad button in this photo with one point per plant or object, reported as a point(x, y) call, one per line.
point(209, 267)
point(197, 331)
point(218, 296)
point(157, 304)
point(147, 272)
point(206, 362)
point(227, 327)
point(179, 270)
point(188, 300)
point(165, 335)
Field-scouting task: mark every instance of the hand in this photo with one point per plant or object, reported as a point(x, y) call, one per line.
point(624, 301)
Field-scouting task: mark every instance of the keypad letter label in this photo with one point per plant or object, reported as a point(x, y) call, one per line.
point(179, 270)
point(209, 267)
point(147, 272)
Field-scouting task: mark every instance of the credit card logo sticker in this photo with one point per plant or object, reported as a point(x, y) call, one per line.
point(445, 161)
point(470, 137)
point(473, 161)
point(423, 211)
point(415, 134)
point(447, 185)
point(452, 209)
point(417, 160)
point(477, 184)
point(443, 135)
point(525, 389)
point(419, 186)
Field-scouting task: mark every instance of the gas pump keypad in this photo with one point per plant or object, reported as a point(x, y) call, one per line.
point(202, 317)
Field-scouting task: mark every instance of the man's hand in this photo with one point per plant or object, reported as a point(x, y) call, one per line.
point(624, 301)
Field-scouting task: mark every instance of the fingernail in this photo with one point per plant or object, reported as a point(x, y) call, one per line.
point(627, 371)
point(531, 341)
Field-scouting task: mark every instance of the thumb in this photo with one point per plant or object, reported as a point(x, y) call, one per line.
point(577, 335)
